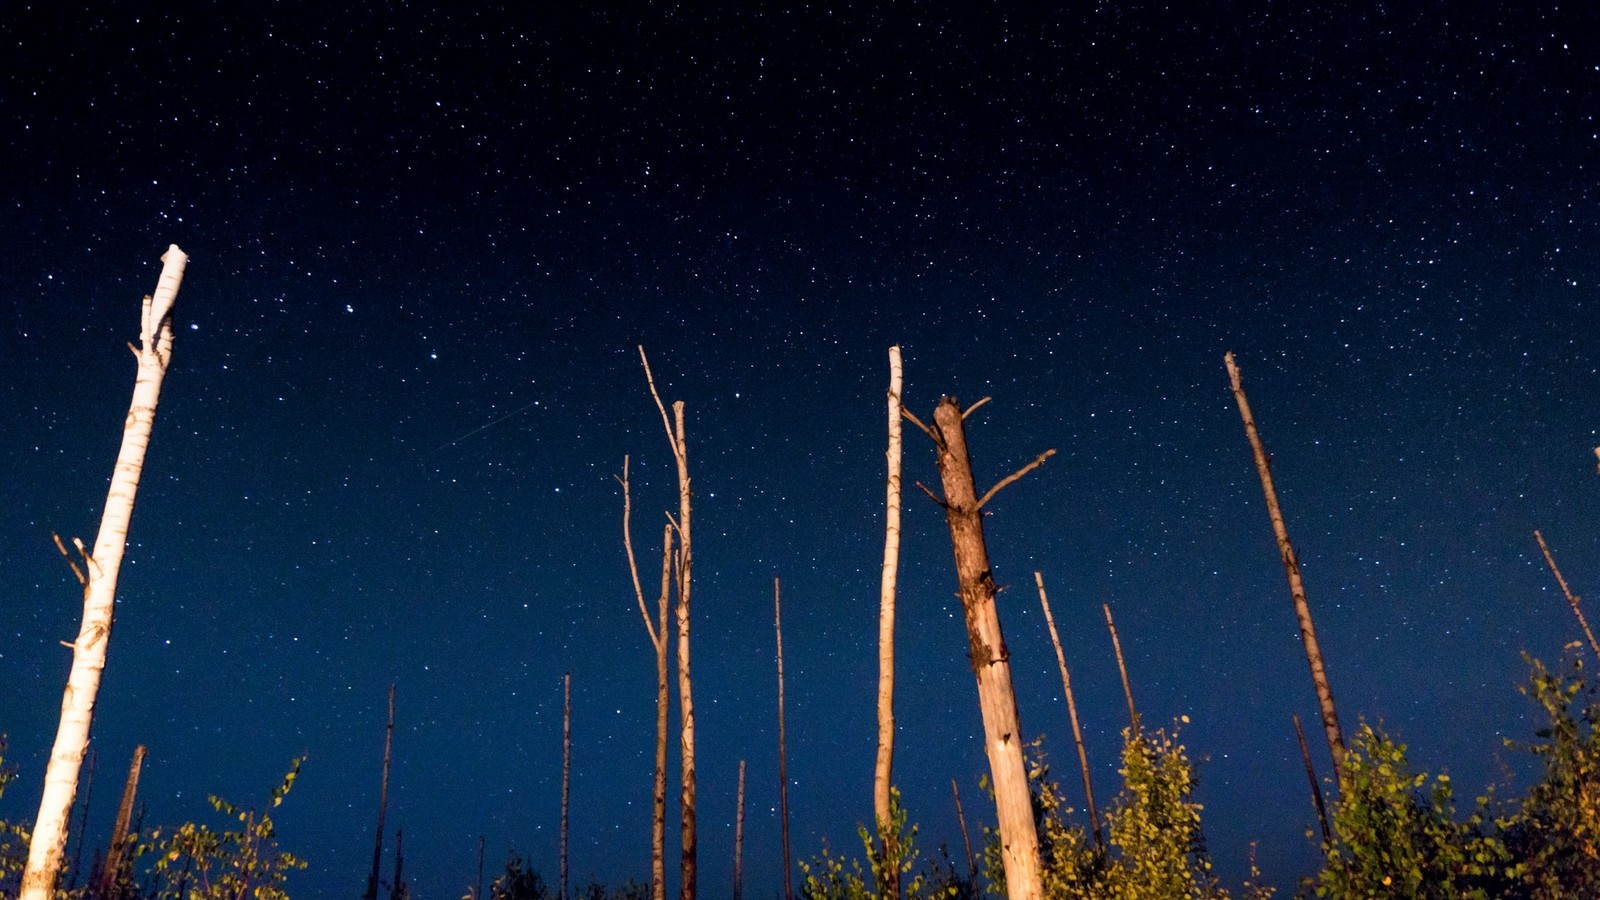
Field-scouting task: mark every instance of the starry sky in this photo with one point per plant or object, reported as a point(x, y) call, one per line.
point(425, 243)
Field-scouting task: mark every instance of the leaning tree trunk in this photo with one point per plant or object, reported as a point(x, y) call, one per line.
point(383, 802)
point(991, 663)
point(685, 567)
point(117, 850)
point(1072, 715)
point(883, 774)
point(100, 587)
point(783, 750)
point(1291, 568)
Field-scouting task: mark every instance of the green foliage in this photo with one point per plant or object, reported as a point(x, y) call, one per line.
point(1069, 864)
point(1155, 826)
point(1396, 835)
point(196, 862)
point(828, 877)
point(518, 882)
point(13, 838)
point(1555, 835)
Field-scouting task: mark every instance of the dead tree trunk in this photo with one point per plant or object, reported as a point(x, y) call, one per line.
point(883, 774)
point(566, 771)
point(1072, 714)
point(1572, 599)
point(1122, 668)
point(116, 851)
point(738, 840)
point(477, 892)
point(783, 754)
point(383, 802)
point(1311, 776)
point(397, 888)
point(83, 822)
point(966, 841)
point(658, 640)
point(1291, 568)
point(991, 662)
point(685, 567)
point(99, 579)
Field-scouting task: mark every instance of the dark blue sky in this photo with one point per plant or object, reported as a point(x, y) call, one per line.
point(406, 225)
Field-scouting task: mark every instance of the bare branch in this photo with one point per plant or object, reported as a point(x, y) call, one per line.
point(665, 422)
point(975, 406)
point(931, 495)
point(1015, 475)
point(75, 570)
point(1572, 599)
point(627, 544)
point(918, 422)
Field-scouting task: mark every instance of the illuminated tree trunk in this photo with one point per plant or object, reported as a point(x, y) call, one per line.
point(1122, 668)
point(883, 774)
point(1291, 568)
point(657, 632)
point(99, 576)
point(738, 840)
point(685, 567)
point(383, 802)
point(783, 753)
point(1572, 599)
point(1072, 714)
point(566, 772)
point(991, 662)
point(1311, 776)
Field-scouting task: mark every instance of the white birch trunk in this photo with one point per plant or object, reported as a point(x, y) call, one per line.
point(100, 588)
point(883, 774)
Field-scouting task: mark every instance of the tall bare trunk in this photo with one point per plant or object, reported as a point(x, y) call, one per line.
point(83, 822)
point(1311, 776)
point(116, 851)
point(477, 893)
point(397, 887)
point(657, 632)
point(966, 841)
point(1072, 714)
point(566, 771)
point(738, 840)
point(685, 567)
point(883, 773)
point(1572, 599)
point(99, 577)
point(991, 662)
point(783, 753)
point(1291, 568)
point(1122, 668)
point(383, 802)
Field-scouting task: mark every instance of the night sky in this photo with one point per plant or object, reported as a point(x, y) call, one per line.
point(425, 244)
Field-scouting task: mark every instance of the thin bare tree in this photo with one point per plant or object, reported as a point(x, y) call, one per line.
point(1291, 568)
point(966, 841)
point(566, 771)
point(99, 578)
point(658, 640)
point(83, 821)
point(991, 662)
point(1572, 599)
point(685, 567)
point(383, 802)
point(477, 890)
point(783, 753)
point(1072, 714)
point(397, 887)
point(883, 774)
point(1311, 776)
point(117, 849)
point(1122, 667)
point(738, 840)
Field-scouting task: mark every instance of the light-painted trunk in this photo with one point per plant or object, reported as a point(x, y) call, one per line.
point(1072, 714)
point(1572, 599)
point(991, 662)
point(783, 750)
point(566, 772)
point(738, 840)
point(1291, 568)
point(883, 774)
point(100, 587)
point(1122, 669)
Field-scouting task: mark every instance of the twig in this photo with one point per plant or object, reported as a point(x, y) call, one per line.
point(931, 495)
point(974, 406)
point(1015, 475)
point(918, 422)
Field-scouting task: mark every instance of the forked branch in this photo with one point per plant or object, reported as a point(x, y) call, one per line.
point(627, 544)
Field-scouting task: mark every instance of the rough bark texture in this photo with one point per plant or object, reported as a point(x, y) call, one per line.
point(783, 753)
point(883, 773)
point(991, 663)
point(738, 840)
point(111, 872)
point(1291, 568)
point(383, 803)
point(100, 588)
point(1572, 599)
point(1072, 714)
point(566, 771)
